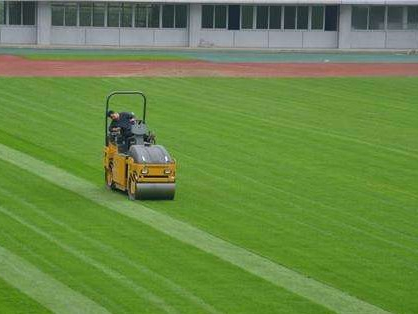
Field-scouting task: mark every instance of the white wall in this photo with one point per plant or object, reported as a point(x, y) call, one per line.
point(43, 21)
point(17, 34)
point(266, 39)
point(406, 39)
point(108, 36)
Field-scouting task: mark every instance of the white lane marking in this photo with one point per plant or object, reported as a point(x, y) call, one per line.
point(43, 288)
point(274, 273)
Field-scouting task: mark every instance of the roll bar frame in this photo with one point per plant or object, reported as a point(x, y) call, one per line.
point(124, 93)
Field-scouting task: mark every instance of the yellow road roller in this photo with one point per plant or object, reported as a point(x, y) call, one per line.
point(133, 162)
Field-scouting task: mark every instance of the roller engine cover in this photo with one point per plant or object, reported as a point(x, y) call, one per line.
point(153, 154)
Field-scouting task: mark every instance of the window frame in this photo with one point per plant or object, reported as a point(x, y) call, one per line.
point(214, 15)
point(116, 5)
point(90, 6)
point(242, 17)
point(67, 5)
point(294, 18)
point(20, 3)
point(297, 17)
point(311, 19)
point(126, 6)
point(402, 26)
point(407, 18)
point(267, 22)
point(280, 28)
point(23, 6)
point(103, 6)
point(4, 15)
point(173, 22)
point(219, 6)
point(138, 6)
point(176, 8)
point(58, 5)
point(384, 18)
point(404, 21)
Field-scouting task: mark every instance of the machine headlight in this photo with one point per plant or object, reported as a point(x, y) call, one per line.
point(144, 170)
point(167, 171)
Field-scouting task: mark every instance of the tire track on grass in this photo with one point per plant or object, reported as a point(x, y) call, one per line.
point(121, 257)
point(315, 291)
point(46, 290)
point(139, 290)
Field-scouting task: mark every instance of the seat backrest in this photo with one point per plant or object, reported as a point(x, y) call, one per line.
point(139, 129)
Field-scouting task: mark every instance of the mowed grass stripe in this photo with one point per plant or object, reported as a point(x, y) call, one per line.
point(118, 255)
point(278, 275)
point(138, 289)
point(41, 287)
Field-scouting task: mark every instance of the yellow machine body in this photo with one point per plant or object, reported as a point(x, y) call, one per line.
point(132, 161)
point(123, 173)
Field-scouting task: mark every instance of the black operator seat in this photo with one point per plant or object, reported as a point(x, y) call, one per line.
point(139, 131)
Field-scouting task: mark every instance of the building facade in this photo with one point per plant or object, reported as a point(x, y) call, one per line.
point(326, 24)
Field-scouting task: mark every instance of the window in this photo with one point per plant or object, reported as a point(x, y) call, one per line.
point(331, 18)
point(64, 14)
point(70, 14)
point(289, 17)
point(85, 12)
point(234, 17)
point(317, 20)
point(302, 18)
point(154, 16)
point(15, 15)
point(247, 13)
point(28, 13)
point(359, 18)
point(262, 17)
point(214, 16)
point(141, 16)
point(168, 16)
point(395, 17)
point(377, 18)
point(413, 17)
point(220, 16)
point(99, 14)
point(57, 14)
point(2, 12)
point(181, 16)
point(275, 21)
point(113, 12)
point(207, 16)
point(126, 15)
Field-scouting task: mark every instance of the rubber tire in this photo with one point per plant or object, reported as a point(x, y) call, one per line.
point(110, 185)
point(131, 190)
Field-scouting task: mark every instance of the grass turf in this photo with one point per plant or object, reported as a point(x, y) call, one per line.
point(318, 175)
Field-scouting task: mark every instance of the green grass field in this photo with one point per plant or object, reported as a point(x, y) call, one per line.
point(288, 191)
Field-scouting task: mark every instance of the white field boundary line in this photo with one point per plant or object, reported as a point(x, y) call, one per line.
point(43, 288)
point(315, 291)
